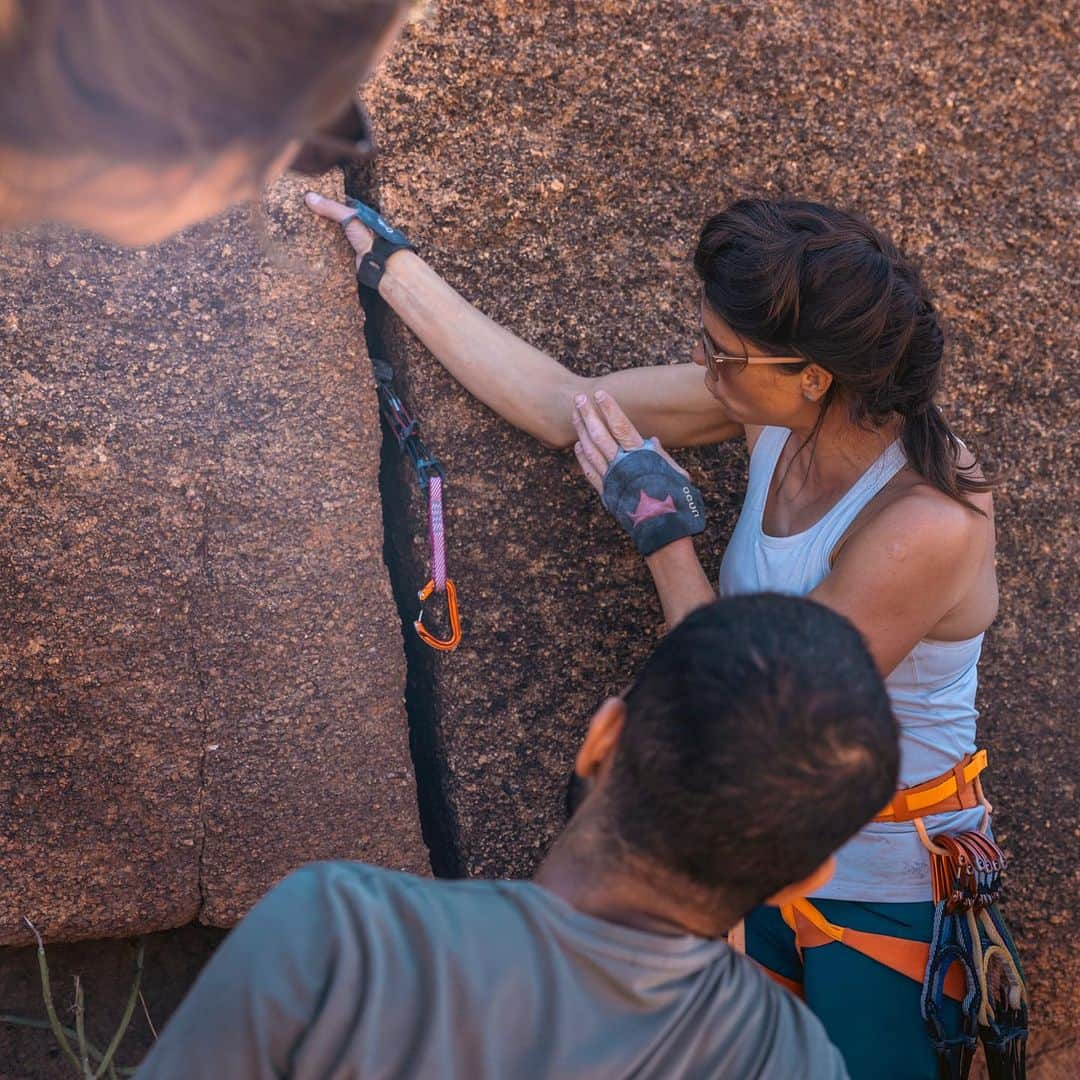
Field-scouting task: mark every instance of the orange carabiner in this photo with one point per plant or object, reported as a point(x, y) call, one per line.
point(425, 635)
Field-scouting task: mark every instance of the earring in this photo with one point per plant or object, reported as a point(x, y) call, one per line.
point(808, 396)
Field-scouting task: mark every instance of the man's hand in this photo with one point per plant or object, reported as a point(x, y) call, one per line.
point(649, 495)
point(359, 235)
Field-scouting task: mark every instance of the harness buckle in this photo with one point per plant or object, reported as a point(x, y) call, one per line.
point(425, 635)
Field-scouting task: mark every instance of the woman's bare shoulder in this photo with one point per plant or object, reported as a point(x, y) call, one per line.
point(920, 520)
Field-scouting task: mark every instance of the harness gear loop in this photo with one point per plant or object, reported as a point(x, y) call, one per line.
point(425, 635)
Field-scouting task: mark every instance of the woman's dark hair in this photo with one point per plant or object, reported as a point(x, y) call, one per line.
point(799, 277)
point(160, 81)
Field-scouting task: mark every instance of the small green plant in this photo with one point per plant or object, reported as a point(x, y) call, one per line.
point(88, 1061)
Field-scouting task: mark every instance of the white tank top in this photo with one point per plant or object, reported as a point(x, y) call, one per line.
point(932, 689)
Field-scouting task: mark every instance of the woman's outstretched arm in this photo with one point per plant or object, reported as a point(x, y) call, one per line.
point(524, 385)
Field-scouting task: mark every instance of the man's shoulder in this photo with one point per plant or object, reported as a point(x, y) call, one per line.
point(367, 884)
point(361, 893)
point(347, 874)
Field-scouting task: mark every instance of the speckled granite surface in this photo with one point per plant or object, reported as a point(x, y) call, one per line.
point(555, 160)
point(200, 660)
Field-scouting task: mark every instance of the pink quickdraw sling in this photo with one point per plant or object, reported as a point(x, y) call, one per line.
point(429, 475)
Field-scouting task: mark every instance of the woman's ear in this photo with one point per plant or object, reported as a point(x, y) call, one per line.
point(815, 382)
point(605, 727)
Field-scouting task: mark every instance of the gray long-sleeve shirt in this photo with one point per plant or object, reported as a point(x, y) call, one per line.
point(348, 971)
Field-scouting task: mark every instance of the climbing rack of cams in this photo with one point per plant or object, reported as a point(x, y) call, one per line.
point(966, 873)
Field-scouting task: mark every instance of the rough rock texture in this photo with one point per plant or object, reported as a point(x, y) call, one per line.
point(554, 160)
point(201, 671)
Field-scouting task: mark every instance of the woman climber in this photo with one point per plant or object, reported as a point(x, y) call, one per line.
point(820, 344)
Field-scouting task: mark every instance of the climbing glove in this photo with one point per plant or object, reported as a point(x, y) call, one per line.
point(654, 502)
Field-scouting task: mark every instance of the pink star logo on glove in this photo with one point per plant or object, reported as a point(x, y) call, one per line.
point(648, 507)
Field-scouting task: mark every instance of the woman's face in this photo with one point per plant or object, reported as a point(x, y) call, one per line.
point(754, 394)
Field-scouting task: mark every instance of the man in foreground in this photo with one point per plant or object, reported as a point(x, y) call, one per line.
point(756, 739)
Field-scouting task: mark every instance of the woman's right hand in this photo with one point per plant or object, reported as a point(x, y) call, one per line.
point(650, 496)
point(358, 234)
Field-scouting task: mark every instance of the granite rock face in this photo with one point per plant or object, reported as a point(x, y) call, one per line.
point(201, 671)
point(555, 160)
point(202, 663)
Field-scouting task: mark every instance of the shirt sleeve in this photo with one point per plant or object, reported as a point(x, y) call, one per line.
point(253, 1005)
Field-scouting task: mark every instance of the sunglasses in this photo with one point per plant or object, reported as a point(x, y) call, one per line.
point(715, 357)
point(346, 140)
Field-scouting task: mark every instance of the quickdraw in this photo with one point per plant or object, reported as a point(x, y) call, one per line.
point(429, 475)
point(406, 429)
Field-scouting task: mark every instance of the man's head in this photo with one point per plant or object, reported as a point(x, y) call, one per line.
point(756, 739)
point(136, 118)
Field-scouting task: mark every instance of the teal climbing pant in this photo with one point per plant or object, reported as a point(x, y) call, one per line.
point(871, 1013)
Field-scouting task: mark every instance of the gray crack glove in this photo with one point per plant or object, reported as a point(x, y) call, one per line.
point(652, 501)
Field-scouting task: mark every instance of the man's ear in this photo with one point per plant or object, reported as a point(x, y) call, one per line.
point(808, 885)
point(605, 727)
point(815, 382)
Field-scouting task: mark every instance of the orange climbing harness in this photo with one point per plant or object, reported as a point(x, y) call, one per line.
point(958, 789)
point(968, 958)
point(900, 954)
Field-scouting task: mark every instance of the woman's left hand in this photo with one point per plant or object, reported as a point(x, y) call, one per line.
point(650, 496)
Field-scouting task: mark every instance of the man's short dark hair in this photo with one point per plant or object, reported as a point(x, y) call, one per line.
point(758, 738)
